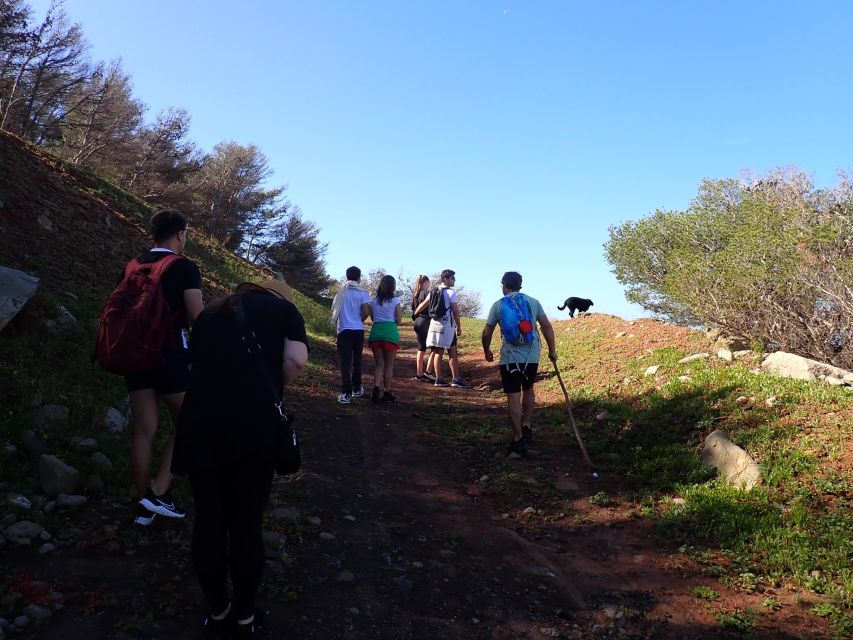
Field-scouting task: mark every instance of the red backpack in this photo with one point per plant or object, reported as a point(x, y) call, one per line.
point(137, 322)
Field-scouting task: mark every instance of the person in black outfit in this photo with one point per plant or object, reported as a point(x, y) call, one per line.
point(168, 379)
point(421, 325)
point(225, 442)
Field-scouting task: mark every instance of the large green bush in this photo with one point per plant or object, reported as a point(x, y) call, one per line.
point(768, 259)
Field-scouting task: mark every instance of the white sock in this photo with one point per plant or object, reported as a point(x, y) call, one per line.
point(222, 615)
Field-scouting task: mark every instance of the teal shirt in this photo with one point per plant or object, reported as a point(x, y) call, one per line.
point(511, 353)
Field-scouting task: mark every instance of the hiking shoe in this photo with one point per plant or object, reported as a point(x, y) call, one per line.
point(257, 628)
point(143, 517)
point(517, 449)
point(375, 395)
point(429, 376)
point(162, 505)
point(212, 628)
point(345, 398)
point(388, 397)
point(358, 392)
point(459, 383)
point(526, 434)
point(441, 382)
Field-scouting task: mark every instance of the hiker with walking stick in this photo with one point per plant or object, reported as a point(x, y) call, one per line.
point(517, 315)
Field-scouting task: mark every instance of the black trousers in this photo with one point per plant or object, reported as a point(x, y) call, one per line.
point(350, 345)
point(227, 535)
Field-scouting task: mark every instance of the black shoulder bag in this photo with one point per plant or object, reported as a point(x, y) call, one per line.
point(287, 454)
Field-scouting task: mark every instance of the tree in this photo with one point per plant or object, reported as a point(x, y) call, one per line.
point(230, 198)
point(769, 258)
point(296, 252)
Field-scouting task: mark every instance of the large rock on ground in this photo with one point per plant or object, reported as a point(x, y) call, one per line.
point(16, 289)
point(789, 365)
point(23, 532)
point(56, 476)
point(734, 465)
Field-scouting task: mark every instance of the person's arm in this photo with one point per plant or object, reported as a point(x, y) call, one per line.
point(488, 330)
point(295, 357)
point(423, 305)
point(454, 309)
point(548, 332)
point(365, 310)
point(398, 314)
point(193, 303)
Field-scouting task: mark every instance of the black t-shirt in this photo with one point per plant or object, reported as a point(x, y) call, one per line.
point(183, 274)
point(228, 408)
point(423, 295)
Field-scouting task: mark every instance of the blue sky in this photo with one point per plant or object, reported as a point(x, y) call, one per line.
point(488, 136)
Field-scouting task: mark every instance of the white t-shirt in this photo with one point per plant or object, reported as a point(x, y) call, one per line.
point(350, 316)
point(384, 312)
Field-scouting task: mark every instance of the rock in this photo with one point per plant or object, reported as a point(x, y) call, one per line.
point(772, 401)
point(65, 320)
point(49, 506)
point(290, 515)
point(45, 535)
point(114, 421)
point(50, 415)
point(684, 378)
point(47, 547)
point(601, 416)
point(101, 461)
point(743, 353)
point(65, 501)
point(650, 371)
point(38, 614)
point(403, 583)
point(56, 476)
point(23, 532)
point(8, 451)
point(725, 354)
point(327, 536)
point(345, 576)
point(349, 517)
point(18, 501)
point(87, 445)
point(694, 358)
point(484, 478)
point(833, 381)
point(789, 365)
point(314, 520)
point(32, 443)
point(16, 289)
point(741, 399)
point(21, 622)
point(734, 465)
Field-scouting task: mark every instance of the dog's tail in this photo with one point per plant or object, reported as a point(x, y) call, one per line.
point(563, 307)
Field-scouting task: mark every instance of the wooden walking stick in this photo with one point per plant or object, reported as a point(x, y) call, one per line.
point(574, 425)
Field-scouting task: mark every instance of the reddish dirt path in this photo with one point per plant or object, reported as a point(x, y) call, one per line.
point(388, 533)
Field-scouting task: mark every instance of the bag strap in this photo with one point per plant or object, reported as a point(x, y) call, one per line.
point(250, 342)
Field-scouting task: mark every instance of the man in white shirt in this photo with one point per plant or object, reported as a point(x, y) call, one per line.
point(443, 331)
point(349, 309)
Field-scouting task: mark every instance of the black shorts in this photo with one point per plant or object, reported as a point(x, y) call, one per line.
point(170, 375)
point(515, 377)
point(421, 325)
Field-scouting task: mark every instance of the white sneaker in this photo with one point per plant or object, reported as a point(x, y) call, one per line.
point(345, 398)
point(358, 392)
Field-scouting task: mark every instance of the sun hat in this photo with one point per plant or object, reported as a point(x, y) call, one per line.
point(276, 287)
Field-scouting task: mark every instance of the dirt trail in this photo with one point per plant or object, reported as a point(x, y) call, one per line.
point(387, 533)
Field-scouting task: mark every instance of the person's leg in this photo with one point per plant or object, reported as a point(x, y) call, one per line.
point(430, 363)
point(389, 369)
point(210, 539)
point(163, 479)
point(528, 403)
point(379, 369)
point(344, 344)
point(453, 361)
point(357, 341)
point(513, 410)
point(420, 363)
point(144, 405)
point(437, 355)
point(246, 498)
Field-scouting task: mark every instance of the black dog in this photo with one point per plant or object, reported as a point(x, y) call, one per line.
point(576, 304)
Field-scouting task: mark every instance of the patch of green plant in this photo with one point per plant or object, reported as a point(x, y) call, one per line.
point(600, 499)
point(739, 619)
point(705, 593)
point(771, 604)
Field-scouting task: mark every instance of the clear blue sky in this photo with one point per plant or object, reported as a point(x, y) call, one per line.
point(487, 136)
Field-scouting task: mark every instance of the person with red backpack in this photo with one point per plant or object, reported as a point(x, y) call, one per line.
point(143, 336)
point(518, 314)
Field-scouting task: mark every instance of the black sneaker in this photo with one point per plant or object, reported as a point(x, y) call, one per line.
point(388, 397)
point(163, 505)
point(527, 434)
point(143, 517)
point(517, 449)
point(459, 383)
point(212, 628)
point(441, 382)
point(375, 395)
point(429, 377)
point(357, 393)
point(257, 628)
